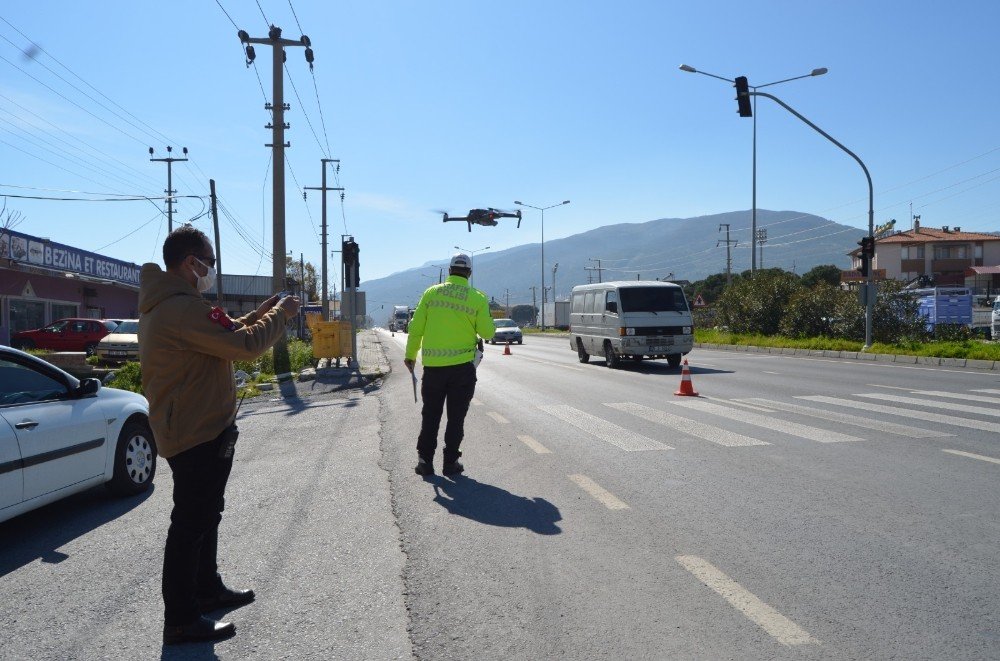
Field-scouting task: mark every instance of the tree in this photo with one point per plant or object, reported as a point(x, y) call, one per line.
point(810, 311)
point(757, 305)
point(710, 288)
point(824, 273)
point(293, 271)
point(523, 314)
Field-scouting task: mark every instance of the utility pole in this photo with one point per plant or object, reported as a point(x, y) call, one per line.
point(302, 289)
point(534, 301)
point(508, 302)
point(729, 254)
point(282, 364)
point(324, 301)
point(169, 160)
point(598, 269)
point(761, 240)
point(218, 248)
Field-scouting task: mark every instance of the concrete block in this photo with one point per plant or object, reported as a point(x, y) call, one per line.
point(910, 360)
point(981, 364)
point(832, 354)
point(953, 362)
point(928, 360)
point(885, 357)
point(861, 355)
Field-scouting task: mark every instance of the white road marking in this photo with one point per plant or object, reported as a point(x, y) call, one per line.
point(599, 493)
point(958, 395)
point(879, 385)
point(687, 426)
point(476, 402)
point(766, 372)
point(551, 362)
point(847, 419)
point(752, 407)
point(533, 444)
point(931, 403)
point(766, 617)
point(499, 418)
point(974, 456)
point(768, 422)
point(604, 430)
point(992, 391)
point(906, 413)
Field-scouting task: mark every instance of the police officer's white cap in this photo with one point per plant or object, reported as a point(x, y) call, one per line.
point(460, 261)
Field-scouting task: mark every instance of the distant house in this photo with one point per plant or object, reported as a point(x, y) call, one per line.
point(948, 256)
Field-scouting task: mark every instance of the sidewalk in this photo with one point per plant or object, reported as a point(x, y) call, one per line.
point(372, 365)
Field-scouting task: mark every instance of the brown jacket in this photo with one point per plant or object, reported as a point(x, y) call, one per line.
point(187, 369)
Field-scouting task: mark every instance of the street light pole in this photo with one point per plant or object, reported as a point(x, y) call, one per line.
point(753, 212)
point(472, 261)
point(542, 209)
point(555, 267)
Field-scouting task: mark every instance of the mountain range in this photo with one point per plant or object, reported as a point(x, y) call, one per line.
point(667, 248)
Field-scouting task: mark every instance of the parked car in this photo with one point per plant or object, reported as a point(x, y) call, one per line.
point(121, 344)
point(65, 335)
point(507, 331)
point(59, 435)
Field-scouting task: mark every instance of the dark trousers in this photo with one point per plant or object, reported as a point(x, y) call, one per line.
point(453, 385)
point(190, 565)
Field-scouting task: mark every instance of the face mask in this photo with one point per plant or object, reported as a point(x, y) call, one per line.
point(207, 281)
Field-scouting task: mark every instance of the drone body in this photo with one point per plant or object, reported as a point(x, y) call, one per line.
point(485, 217)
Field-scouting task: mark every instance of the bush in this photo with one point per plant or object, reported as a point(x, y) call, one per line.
point(300, 355)
point(93, 360)
point(756, 305)
point(895, 318)
point(810, 311)
point(128, 377)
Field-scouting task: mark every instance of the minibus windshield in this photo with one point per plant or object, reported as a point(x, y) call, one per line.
point(652, 299)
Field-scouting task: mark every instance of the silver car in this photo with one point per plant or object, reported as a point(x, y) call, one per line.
point(507, 331)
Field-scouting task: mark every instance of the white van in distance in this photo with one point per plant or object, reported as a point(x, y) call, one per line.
point(630, 318)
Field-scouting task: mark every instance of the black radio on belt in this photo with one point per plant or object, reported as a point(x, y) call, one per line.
point(227, 441)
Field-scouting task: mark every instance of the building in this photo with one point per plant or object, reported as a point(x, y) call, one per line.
point(946, 256)
point(42, 281)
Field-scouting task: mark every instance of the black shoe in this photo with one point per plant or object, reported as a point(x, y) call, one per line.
point(200, 630)
point(453, 468)
point(225, 598)
point(423, 467)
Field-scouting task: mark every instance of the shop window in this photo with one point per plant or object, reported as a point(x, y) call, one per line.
point(26, 315)
point(63, 310)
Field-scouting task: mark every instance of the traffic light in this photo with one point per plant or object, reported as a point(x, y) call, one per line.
point(743, 97)
point(351, 271)
point(867, 244)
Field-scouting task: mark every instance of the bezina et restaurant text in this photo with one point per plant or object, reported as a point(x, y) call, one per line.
point(42, 281)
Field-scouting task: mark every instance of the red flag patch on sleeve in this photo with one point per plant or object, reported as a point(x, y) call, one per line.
point(218, 316)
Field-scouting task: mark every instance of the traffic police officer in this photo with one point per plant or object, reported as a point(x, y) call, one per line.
point(445, 328)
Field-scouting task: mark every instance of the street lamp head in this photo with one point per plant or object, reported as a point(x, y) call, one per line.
point(517, 201)
point(819, 72)
point(688, 68)
point(565, 201)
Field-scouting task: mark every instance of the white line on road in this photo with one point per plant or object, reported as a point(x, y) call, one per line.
point(768, 422)
point(752, 407)
point(992, 391)
point(499, 418)
point(906, 413)
point(766, 617)
point(973, 456)
point(599, 493)
point(533, 444)
point(958, 395)
point(931, 403)
point(848, 419)
point(767, 372)
point(476, 402)
point(879, 385)
point(686, 426)
point(550, 362)
point(604, 430)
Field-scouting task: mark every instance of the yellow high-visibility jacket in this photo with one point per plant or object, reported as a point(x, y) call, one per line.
point(447, 322)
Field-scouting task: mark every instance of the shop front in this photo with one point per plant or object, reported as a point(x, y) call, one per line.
point(42, 281)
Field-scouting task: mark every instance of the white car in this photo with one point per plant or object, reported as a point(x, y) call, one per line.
point(121, 344)
point(59, 435)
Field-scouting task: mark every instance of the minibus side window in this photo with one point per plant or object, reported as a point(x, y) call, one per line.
point(611, 302)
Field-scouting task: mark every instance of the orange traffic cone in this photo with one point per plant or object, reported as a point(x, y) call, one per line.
point(506, 349)
point(687, 388)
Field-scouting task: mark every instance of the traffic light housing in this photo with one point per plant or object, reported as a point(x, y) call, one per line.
point(867, 244)
point(743, 97)
point(351, 263)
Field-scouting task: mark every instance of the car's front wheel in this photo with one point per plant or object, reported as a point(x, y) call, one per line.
point(90, 349)
point(135, 459)
point(611, 359)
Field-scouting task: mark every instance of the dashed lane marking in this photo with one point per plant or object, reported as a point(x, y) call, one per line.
point(499, 418)
point(766, 617)
point(687, 426)
point(604, 430)
point(766, 372)
point(533, 444)
point(973, 456)
point(847, 419)
point(768, 422)
point(599, 493)
point(913, 414)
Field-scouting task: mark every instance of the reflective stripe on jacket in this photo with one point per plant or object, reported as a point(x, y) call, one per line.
point(449, 318)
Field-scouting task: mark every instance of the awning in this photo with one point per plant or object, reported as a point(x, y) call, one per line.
point(982, 270)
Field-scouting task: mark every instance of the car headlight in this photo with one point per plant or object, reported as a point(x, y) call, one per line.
point(687, 330)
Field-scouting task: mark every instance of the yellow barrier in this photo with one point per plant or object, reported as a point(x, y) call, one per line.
point(331, 339)
point(312, 318)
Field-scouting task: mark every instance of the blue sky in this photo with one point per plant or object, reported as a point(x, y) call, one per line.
point(455, 105)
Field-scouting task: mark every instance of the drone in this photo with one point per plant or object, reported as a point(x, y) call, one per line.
point(485, 217)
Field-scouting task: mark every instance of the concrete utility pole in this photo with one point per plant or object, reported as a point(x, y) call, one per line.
point(170, 160)
point(218, 247)
point(729, 253)
point(761, 238)
point(302, 289)
point(534, 300)
point(325, 302)
point(282, 364)
point(507, 291)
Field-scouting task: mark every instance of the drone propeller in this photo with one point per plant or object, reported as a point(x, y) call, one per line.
point(442, 212)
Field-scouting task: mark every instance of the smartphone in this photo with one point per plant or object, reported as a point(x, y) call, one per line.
point(284, 293)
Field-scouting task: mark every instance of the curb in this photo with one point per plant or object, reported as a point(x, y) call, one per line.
point(967, 363)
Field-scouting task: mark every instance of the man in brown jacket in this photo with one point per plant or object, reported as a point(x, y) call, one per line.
point(186, 348)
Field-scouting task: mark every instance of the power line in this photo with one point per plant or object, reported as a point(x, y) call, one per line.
point(159, 215)
point(227, 14)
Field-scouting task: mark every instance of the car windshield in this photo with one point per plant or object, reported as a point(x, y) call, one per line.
point(652, 299)
point(56, 327)
point(127, 327)
point(504, 323)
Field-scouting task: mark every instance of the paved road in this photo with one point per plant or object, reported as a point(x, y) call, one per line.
point(798, 509)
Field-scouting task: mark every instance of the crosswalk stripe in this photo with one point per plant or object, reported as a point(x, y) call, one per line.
point(847, 419)
point(974, 456)
point(958, 395)
point(931, 403)
point(766, 617)
point(687, 426)
point(906, 413)
point(533, 444)
point(499, 418)
point(599, 493)
point(992, 391)
point(604, 430)
point(768, 422)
